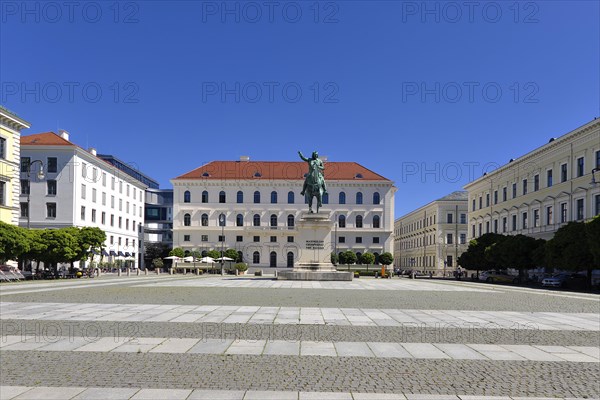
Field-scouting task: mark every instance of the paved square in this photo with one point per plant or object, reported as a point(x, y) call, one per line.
point(174, 337)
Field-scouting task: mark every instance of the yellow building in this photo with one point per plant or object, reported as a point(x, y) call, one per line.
point(10, 156)
point(541, 191)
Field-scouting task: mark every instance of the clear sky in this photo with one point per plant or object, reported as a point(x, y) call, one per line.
point(428, 94)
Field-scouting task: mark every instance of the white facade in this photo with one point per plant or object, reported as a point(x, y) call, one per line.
point(79, 189)
point(273, 235)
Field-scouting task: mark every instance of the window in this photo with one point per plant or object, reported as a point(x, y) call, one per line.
point(291, 221)
point(359, 221)
point(495, 226)
point(222, 197)
point(480, 202)
point(2, 193)
point(524, 220)
point(359, 198)
point(112, 183)
point(273, 220)
point(463, 238)
point(187, 196)
point(449, 261)
point(83, 213)
point(84, 170)
point(563, 173)
point(93, 215)
point(239, 220)
point(256, 239)
point(222, 219)
point(487, 226)
point(342, 239)
point(536, 218)
point(449, 239)
point(473, 208)
point(240, 197)
point(256, 220)
point(325, 199)
point(120, 222)
point(549, 218)
point(273, 197)
point(495, 197)
point(514, 190)
point(487, 199)
point(563, 212)
point(290, 197)
point(112, 239)
point(580, 166)
point(257, 197)
point(25, 162)
point(524, 186)
point(463, 218)
point(51, 186)
point(83, 191)
point(103, 218)
point(598, 204)
point(239, 238)
point(376, 198)
point(204, 220)
point(120, 204)
point(103, 198)
point(204, 238)
point(204, 196)
point(449, 218)
point(359, 239)
point(256, 257)
point(473, 230)
point(52, 164)
point(273, 239)
point(342, 221)
point(504, 224)
point(342, 198)
point(51, 210)
point(580, 213)
point(536, 183)
point(112, 201)
point(2, 148)
point(121, 187)
point(376, 239)
point(24, 209)
point(376, 221)
point(290, 239)
point(94, 195)
point(549, 178)
point(514, 222)
point(104, 179)
point(25, 187)
point(187, 220)
point(221, 238)
point(112, 219)
point(504, 193)
point(186, 238)
point(598, 159)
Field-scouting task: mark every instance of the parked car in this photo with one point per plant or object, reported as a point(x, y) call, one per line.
point(566, 280)
point(498, 277)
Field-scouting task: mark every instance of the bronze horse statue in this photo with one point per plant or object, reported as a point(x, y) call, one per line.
point(314, 183)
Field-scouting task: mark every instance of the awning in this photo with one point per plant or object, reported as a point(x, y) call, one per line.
point(121, 254)
point(104, 253)
point(112, 253)
point(127, 254)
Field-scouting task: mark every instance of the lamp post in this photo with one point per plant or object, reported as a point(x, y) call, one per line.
point(594, 182)
point(222, 222)
point(40, 176)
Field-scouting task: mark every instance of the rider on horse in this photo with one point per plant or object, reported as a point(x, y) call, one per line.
point(314, 182)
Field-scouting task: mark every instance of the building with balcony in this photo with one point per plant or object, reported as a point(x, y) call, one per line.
point(253, 207)
point(541, 191)
point(10, 150)
point(80, 189)
point(431, 238)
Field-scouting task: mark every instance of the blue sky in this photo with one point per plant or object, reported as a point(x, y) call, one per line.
point(428, 94)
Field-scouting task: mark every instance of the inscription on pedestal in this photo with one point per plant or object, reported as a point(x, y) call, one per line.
point(315, 245)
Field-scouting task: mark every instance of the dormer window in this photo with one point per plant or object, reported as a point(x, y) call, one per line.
point(358, 176)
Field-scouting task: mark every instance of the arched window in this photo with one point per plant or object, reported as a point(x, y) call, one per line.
point(358, 254)
point(273, 260)
point(376, 221)
point(240, 197)
point(376, 258)
point(359, 221)
point(342, 198)
point(325, 199)
point(273, 220)
point(221, 219)
point(376, 198)
point(273, 197)
point(222, 197)
point(187, 220)
point(342, 221)
point(239, 220)
point(187, 196)
point(290, 221)
point(359, 198)
point(204, 219)
point(256, 220)
point(257, 197)
point(290, 197)
point(256, 257)
point(204, 253)
point(240, 257)
point(205, 196)
point(290, 259)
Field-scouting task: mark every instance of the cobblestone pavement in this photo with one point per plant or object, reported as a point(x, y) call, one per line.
point(194, 336)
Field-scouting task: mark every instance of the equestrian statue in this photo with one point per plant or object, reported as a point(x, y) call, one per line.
point(314, 183)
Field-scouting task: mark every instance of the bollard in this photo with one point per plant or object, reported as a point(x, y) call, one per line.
point(146, 271)
point(119, 273)
point(197, 271)
point(275, 273)
point(128, 273)
point(137, 272)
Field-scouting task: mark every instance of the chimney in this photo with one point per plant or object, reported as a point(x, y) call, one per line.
point(63, 134)
point(92, 151)
point(244, 158)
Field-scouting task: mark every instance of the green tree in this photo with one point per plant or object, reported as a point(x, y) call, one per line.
point(348, 257)
point(177, 252)
point(367, 258)
point(37, 247)
point(196, 254)
point(155, 250)
point(569, 249)
point(386, 258)
point(61, 245)
point(334, 258)
point(158, 263)
point(475, 258)
point(213, 254)
point(14, 242)
point(593, 238)
point(233, 254)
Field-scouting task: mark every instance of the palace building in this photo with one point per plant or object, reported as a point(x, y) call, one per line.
point(253, 206)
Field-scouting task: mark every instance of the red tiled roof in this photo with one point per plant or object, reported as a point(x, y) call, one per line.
point(279, 170)
point(44, 139)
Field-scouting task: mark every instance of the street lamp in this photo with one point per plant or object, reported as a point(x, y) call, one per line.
point(594, 182)
point(40, 176)
point(222, 222)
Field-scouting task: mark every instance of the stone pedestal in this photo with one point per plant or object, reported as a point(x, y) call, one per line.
point(315, 247)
